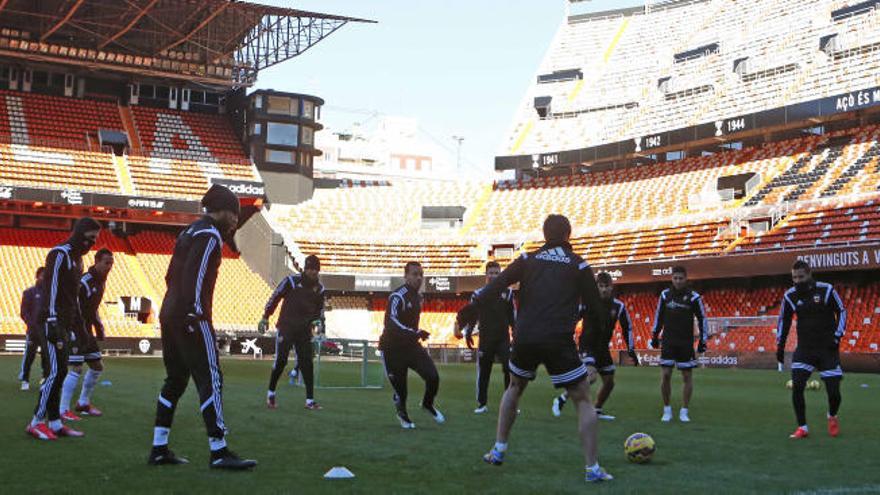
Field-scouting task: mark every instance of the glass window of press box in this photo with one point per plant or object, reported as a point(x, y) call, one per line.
point(279, 156)
point(282, 134)
point(308, 110)
point(282, 105)
point(308, 137)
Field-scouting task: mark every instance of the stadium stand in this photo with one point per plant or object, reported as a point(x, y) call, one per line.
point(139, 270)
point(43, 120)
point(50, 140)
point(644, 71)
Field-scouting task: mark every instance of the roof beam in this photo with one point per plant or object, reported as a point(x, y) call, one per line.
point(128, 26)
point(198, 28)
point(64, 20)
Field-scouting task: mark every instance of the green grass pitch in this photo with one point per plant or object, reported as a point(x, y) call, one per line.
point(737, 443)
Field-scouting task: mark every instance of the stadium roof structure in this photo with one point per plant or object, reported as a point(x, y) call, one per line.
point(217, 42)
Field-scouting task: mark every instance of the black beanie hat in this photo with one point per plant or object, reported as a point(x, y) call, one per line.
point(83, 225)
point(312, 261)
point(220, 198)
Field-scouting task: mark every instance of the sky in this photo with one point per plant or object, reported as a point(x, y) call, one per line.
point(460, 67)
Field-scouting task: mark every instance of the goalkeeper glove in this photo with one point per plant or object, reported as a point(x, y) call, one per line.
point(780, 354)
point(423, 335)
point(53, 330)
point(655, 342)
point(701, 347)
point(470, 340)
point(263, 326)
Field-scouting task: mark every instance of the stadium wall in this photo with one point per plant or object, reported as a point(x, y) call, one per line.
point(262, 249)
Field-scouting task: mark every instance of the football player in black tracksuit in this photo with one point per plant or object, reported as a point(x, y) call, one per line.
point(496, 320)
point(676, 310)
point(84, 347)
point(302, 309)
point(821, 323)
point(189, 345)
point(554, 282)
point(31, 302)
point(600, 356)
point(58, 318)
point(401, 350)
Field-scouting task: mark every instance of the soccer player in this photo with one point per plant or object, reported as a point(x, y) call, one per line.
point(31, 301)
point(401, 349)
point(189, 345)
point(59, 316)
point(600, 356)
point(554, 281)
point(84, 345)
point(495, 321)
point(676, 310)
point(303, 307)
point(821, 323)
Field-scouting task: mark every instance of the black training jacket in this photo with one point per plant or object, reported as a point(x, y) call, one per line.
point(192, 271)
point(303, 303)
point(91, 292)
point(821, 316)
point(402, 319)
point(553, 282)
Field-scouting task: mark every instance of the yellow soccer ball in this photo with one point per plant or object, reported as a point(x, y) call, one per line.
point(639, 448)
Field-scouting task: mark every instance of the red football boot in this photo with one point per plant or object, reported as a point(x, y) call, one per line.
point(801, 432)
point(41, 432)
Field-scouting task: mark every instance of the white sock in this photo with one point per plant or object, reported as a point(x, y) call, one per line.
point(160, 436)
point(805, 427)
point(684, 410)
point(55, 424)
point(501, 447)
point(35, 421)
point(667, 409)
point(309, 402)
point(594, 467)
point(89, 382)
point(67, 389)
point(216, 443)
point(270, 393)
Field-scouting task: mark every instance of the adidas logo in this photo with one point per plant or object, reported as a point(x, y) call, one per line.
point(556, 255)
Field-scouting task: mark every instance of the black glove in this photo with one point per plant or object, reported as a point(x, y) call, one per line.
point(701, 347)
point(423, 335)
point(469, 339)
point(192, 322)
point(632, 355)
point(467, 316)
point(53, 330)
point(99, 332)
point(655, 343)
point(780, 354)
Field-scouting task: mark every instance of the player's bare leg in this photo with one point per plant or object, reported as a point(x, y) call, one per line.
point(687, 376)
point(666, 392)
point(506, 417)
point(509, 406)
point(588, 429)
point(604, 390)
point(579, 393)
